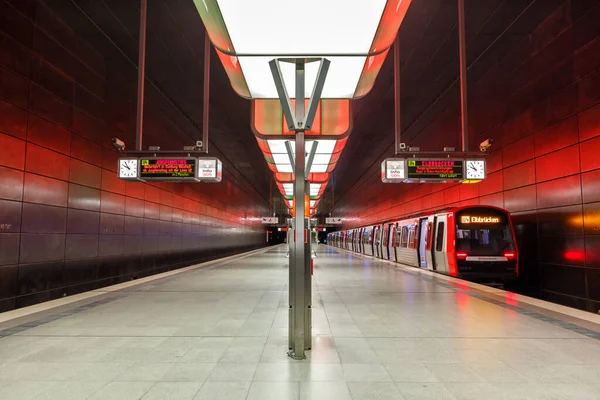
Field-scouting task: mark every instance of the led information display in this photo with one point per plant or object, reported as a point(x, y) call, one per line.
point(168, 168)
point(434, 170)
point(479, 219)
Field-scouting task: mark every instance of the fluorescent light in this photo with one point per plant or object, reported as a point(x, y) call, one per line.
point(284, 168)
point(341, 83)
point(281, 158)
point(313, 203)
point(322, 158)
point(277, 146)
point(318, 168)
point(288, 186)
point(326, 146)
point(328, 27)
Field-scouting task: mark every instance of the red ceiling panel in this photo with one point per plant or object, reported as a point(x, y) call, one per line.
point(588, 90)
point(521, 199)
point(13, 120)
point(590, 154)
point(559, 192)
point(48, 135)
point(134, 207)
point(468, 191)
point(491, 184)
point(494, 161)
point(39, 189)
point(13, 152)
point(556, 137)
point(558, 164)
point(46, 162)
point(518, 152)
point(112, 203)
point(86, 150)
point(85, 174)
point(519, 175)
point(112, 183)
point(496, 200)
point(589, 122)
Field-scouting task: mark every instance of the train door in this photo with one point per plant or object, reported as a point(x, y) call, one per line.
point(368, 241)
point(376, 241)
point(359, 240)
point(428, 244)
point(382, 244)
point(421, 248)
point(380, 241)
point(440, 261)
point(390, 242)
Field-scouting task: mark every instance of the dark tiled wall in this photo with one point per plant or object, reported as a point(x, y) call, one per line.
point(541, 103)
point(67, 224)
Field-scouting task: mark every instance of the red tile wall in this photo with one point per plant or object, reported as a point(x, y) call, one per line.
point(544, 166)
point(67, 224)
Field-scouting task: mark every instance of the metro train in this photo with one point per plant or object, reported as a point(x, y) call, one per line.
point(475, 242)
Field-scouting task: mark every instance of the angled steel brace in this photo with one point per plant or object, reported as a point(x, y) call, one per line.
point(313, 103)
point(284, 98)
point(296, 122)
point(311, 157)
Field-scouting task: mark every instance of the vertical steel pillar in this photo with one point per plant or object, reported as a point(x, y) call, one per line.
point(297, 298)
point(462, 43)
point(397, 99)
point(206, 94)
point(139, 127)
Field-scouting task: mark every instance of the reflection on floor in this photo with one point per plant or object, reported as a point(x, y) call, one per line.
point(221, 333)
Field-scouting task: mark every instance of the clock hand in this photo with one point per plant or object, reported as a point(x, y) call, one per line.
point(473, 168)
point(127, 166)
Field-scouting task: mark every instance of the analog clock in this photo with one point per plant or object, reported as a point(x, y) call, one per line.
point(128, 168)
point(475, 169)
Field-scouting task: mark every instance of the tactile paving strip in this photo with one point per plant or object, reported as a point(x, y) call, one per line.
point(54, 317)
point(521, 310)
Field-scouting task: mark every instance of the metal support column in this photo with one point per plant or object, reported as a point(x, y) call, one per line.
point(139, 127)
point(397, 99)
point(462, 43)
point(297, 301)
point(300, 119)
point(206, 94)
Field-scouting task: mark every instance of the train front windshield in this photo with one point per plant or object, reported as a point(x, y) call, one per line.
point(483, 232)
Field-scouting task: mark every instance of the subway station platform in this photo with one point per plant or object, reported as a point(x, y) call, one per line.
point(219, 331)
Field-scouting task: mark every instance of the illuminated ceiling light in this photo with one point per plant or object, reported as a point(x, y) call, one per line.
point(354, 35)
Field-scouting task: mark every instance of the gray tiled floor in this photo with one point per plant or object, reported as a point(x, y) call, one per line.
point(220, 333)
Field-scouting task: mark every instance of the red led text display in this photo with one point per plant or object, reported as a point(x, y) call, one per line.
point(161, 168)
point(434, 169)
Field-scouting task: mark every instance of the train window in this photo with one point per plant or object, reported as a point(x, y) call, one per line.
point(486, 241)
point(404, 239)
point(428, 238)
point(415, 238)
point(439, 242)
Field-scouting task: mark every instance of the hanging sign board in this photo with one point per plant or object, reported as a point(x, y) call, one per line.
point(434, 170)
point(171, 169)
point(210, 169)
point(393, 170)
point(333, 221)
point(165, 169)
point(270, 220)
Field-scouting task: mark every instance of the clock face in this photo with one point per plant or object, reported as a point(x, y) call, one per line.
point(475, 169)
point(128, 168)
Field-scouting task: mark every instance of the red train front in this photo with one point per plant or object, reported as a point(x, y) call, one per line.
point(476, 243)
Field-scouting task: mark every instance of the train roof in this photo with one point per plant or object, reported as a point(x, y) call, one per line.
point(428, 213)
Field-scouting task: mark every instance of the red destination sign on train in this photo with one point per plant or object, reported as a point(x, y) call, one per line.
point(168, 168)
